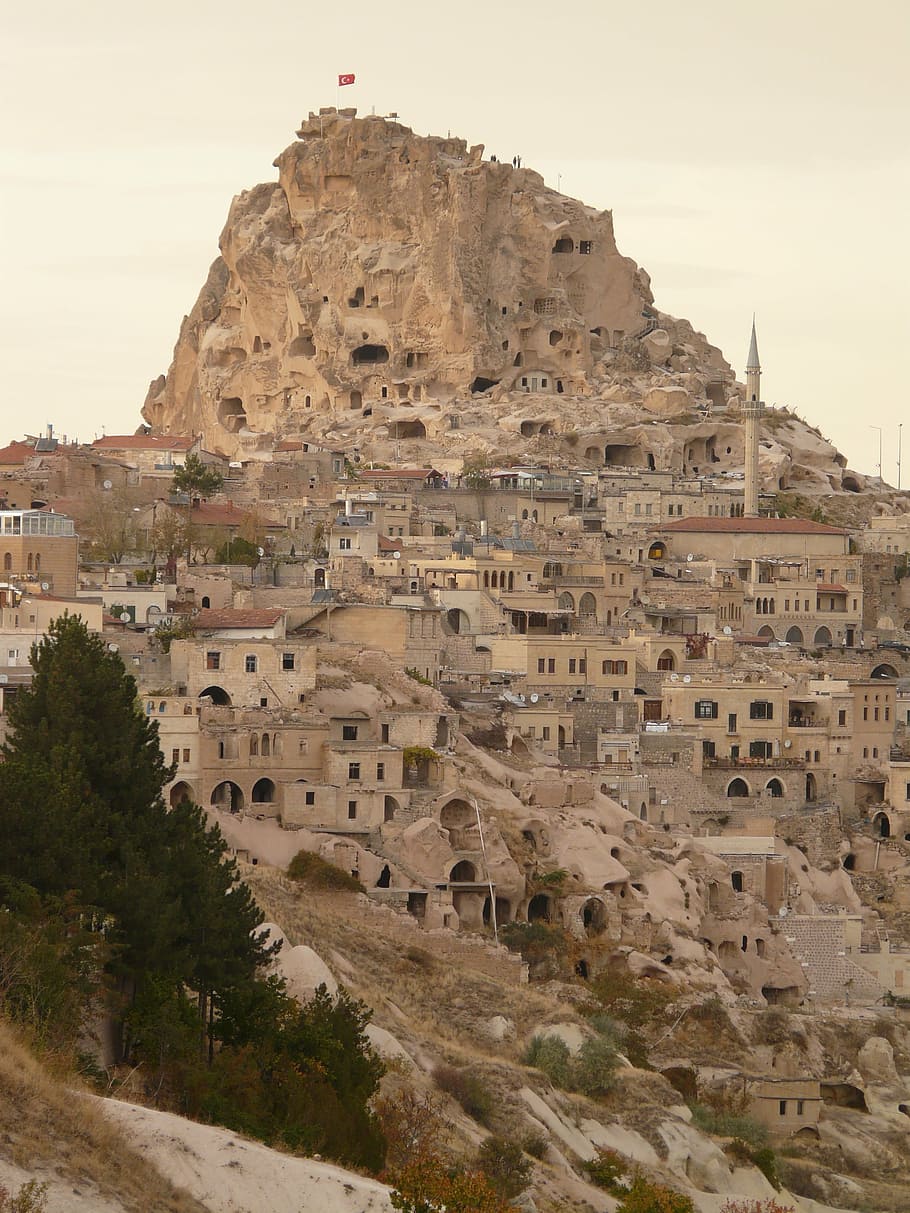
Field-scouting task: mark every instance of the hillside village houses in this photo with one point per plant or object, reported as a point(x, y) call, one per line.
point(726, 676)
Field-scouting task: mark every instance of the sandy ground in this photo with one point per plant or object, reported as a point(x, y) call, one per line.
point(230, 1174)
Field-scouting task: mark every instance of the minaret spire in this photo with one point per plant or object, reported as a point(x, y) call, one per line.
point(752, 411)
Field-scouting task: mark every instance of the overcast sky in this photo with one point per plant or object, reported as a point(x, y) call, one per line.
point(755, 158)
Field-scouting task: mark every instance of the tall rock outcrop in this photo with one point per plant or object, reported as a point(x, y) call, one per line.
point(390, 270)
point(392, 288)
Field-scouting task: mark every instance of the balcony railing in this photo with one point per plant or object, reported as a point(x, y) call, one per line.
point(731, 764)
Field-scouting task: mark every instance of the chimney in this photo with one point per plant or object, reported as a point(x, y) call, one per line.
point(483, 528)
point(348, 507)
point(50, 431)
point(516, 529)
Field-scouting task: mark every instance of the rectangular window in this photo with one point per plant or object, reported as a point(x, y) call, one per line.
point(761, 709)
point(800, 1104)
point(705, 709)
point(541, 665)
point(186, 755)
point(875, 713)
point(175, 757)
point(622, 667)
point(384, 734)
point(865, 713)
point(546, 732)
point(310, 797)
point(353, 770)
point(287, 661)
point(349, 732)
point(213, 661)
point(585, 246)
point(759, 749)
point(708, 749)
point(782, 1107)
point(731, 722)
point(571, 665)
point(344, 545)
point(551, 665)
point(582, 665)
point(352, 809)
point(887, 713)
point(380, 772)
point(250, 663)
point(842, 717)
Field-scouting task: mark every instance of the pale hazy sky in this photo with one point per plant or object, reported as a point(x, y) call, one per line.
point(755, 157)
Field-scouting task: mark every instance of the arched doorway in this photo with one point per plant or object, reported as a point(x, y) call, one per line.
point(738, 788)
point(179, 793)
point(228, 796)
point(766, 633)
point(390, 808)
point(811, 787)
point(566, 601)
point(219, 697)
point(263, 792)
point(587, 605)
point(319, 579)
point(823, 637)
point(881, 825)
point(540, 908)
point(594, 916)
point(884, 670)
point(385, 878)
point(775, 788)
point(463, 872)
point(667, 660)
point(794, 636)
point(657, 551)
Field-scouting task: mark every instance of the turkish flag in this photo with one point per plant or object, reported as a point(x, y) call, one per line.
point(346, 79)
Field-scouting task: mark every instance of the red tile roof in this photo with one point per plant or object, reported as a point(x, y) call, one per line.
point(750, 526)
point(144, 442)
point(16, 452)
point(214, 513)
point(387, 545)
point(227, 617)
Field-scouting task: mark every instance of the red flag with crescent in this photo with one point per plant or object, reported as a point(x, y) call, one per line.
point(347, 78)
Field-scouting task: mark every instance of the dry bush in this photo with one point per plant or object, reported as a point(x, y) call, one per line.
point(467, 1088)
point(413, 1124)
point(43, 1120)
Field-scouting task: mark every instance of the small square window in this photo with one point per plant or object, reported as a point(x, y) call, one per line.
point(349, 732)
point(250, 663)
point(213, 661)
point(353, 770)
point(352, 809)
point(380, 772)
point(287, 661)
point(310, 797)
point(263, 701)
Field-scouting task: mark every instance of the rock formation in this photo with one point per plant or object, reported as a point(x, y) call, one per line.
point(397, 288)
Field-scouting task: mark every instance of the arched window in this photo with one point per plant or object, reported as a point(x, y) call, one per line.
point(254, 746)
point(266, 746)
point(30, 562)
point(7, 561)
point(37, 562)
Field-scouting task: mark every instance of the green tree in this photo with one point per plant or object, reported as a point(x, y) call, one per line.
point(505, 1166)
point(197, 479)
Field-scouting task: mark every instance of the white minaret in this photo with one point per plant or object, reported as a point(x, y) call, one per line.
point(752, 411)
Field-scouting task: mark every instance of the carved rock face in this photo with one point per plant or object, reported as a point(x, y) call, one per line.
point(386, 268)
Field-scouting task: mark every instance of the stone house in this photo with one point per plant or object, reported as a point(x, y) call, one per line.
point(254, 672)
point(786, 1105)
point(39, 549)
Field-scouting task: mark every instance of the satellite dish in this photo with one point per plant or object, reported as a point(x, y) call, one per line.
point(45, 586)
point(674, 678)
point(113, 648)
point(690, 557)
point(787, 744)
point(534, 698)
point(125, 617)
point(260, 551)
point(728, 631)
point(153, 610)
point(687, 677)
point(107, 485)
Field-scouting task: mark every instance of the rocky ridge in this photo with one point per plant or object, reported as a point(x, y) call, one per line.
point(400, 295)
